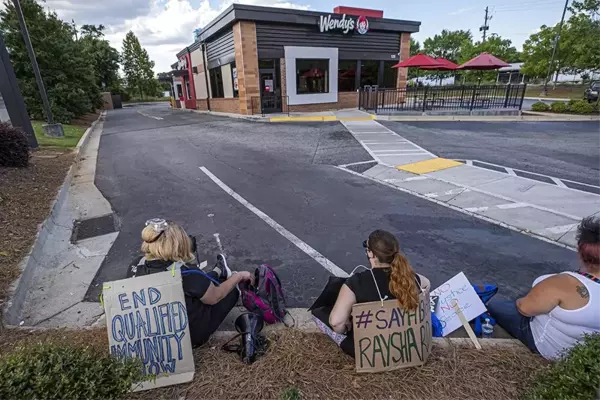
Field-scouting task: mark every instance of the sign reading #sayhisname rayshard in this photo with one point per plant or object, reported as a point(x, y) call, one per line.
point(388, 337)
point(147, 319)
point(345, 24)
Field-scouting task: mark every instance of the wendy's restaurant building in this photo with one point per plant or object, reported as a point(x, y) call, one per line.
point(254, 59)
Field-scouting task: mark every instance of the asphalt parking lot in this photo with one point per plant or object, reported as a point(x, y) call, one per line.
point(149, 166)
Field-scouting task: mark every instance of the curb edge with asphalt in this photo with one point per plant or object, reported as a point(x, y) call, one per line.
point(526, 116)
point(18, 289)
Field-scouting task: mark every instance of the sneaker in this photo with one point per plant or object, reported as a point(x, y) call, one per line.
point(221, 267)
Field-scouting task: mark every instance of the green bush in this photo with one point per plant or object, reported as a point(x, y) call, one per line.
point(571, 102)
point(53, 371)
point(14, 148)
point(558, 107)
point(290, 393)
point(540, 106)
point(576, 376)
point(581, 107)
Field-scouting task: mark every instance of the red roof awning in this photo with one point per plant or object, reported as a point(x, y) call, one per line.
point(484, 61)
point(419, 60)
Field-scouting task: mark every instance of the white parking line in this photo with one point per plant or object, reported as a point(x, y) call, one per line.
point(558, 182)
point(397, 151)
point(314, 254)
point(149, 116)
point(358, 163)
point(415, 153)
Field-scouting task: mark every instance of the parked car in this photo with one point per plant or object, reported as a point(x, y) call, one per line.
point(591, 93)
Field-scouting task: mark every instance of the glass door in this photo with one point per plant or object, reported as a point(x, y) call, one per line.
point(270, 93)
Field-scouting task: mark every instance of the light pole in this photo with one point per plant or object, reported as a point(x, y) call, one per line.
point(51, 128)
point(556, 40)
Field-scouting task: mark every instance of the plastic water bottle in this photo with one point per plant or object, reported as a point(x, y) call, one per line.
point(487, 329)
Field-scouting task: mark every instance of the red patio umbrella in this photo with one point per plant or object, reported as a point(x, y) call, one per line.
point(445, 65)
point(484, 62)
point(419, 61)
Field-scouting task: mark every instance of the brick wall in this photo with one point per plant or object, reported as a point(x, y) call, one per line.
point(345, 100)
point(404, 54)
point(282, 75)
point(202, 104)
point(246, 62)
point(230, 105)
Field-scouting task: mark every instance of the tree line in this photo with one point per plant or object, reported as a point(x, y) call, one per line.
point(76, 64)
point(578, 51)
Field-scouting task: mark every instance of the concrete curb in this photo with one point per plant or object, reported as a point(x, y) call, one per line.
point(293, 118)
point(222, 114)
point(527, 116)
point(437, 341)
point(18, 289)
point(562, 117)
point(547, 98)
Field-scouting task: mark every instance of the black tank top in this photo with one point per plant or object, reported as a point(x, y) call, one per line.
point(364, 288)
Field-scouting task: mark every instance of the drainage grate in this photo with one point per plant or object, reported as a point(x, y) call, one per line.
point(93, 227)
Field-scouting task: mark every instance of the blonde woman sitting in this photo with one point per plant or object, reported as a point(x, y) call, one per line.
point(209, 297)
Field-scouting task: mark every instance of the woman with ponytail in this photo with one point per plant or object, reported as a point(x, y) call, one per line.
point(390, 277)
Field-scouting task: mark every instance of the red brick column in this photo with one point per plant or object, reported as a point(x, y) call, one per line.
point(246, 62)
point(404, 54)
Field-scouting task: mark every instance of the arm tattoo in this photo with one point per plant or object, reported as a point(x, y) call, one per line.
point(583, 292)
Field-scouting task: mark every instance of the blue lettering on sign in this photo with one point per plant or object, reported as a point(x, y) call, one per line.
point(149, 330)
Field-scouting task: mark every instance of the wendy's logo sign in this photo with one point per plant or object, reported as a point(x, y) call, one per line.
point(362, 25)
point(329, 23)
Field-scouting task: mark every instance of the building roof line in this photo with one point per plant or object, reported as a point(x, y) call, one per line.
point(237, 12)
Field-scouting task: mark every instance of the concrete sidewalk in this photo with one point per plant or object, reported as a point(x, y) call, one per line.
point(537, 208)
point(59, 270)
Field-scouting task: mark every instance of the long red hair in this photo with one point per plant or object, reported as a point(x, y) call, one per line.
point(402, 285)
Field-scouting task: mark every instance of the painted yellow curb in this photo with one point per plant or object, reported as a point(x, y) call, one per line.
point(321, 118)
point(427, 166)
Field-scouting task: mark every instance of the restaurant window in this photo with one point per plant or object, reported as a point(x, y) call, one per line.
point(347, 76)
point(369, 72)
point(312, 76)
point(389, 75)
point(216, 82)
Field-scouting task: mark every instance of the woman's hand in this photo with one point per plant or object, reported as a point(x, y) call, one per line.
point(245, 276)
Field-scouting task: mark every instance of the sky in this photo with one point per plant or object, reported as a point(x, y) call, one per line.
point(164, 27)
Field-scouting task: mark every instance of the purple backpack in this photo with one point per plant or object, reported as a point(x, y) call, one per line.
point(266, 296)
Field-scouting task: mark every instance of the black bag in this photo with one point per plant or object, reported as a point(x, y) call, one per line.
point(329, 294)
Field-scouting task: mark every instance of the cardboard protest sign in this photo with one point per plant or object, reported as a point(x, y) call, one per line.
point(388, 338)
point(457, 288)
point(146, 317)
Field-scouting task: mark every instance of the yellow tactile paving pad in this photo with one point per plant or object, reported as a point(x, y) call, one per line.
point(427, 166)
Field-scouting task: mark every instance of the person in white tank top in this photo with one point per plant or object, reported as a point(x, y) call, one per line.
point(560, 308)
